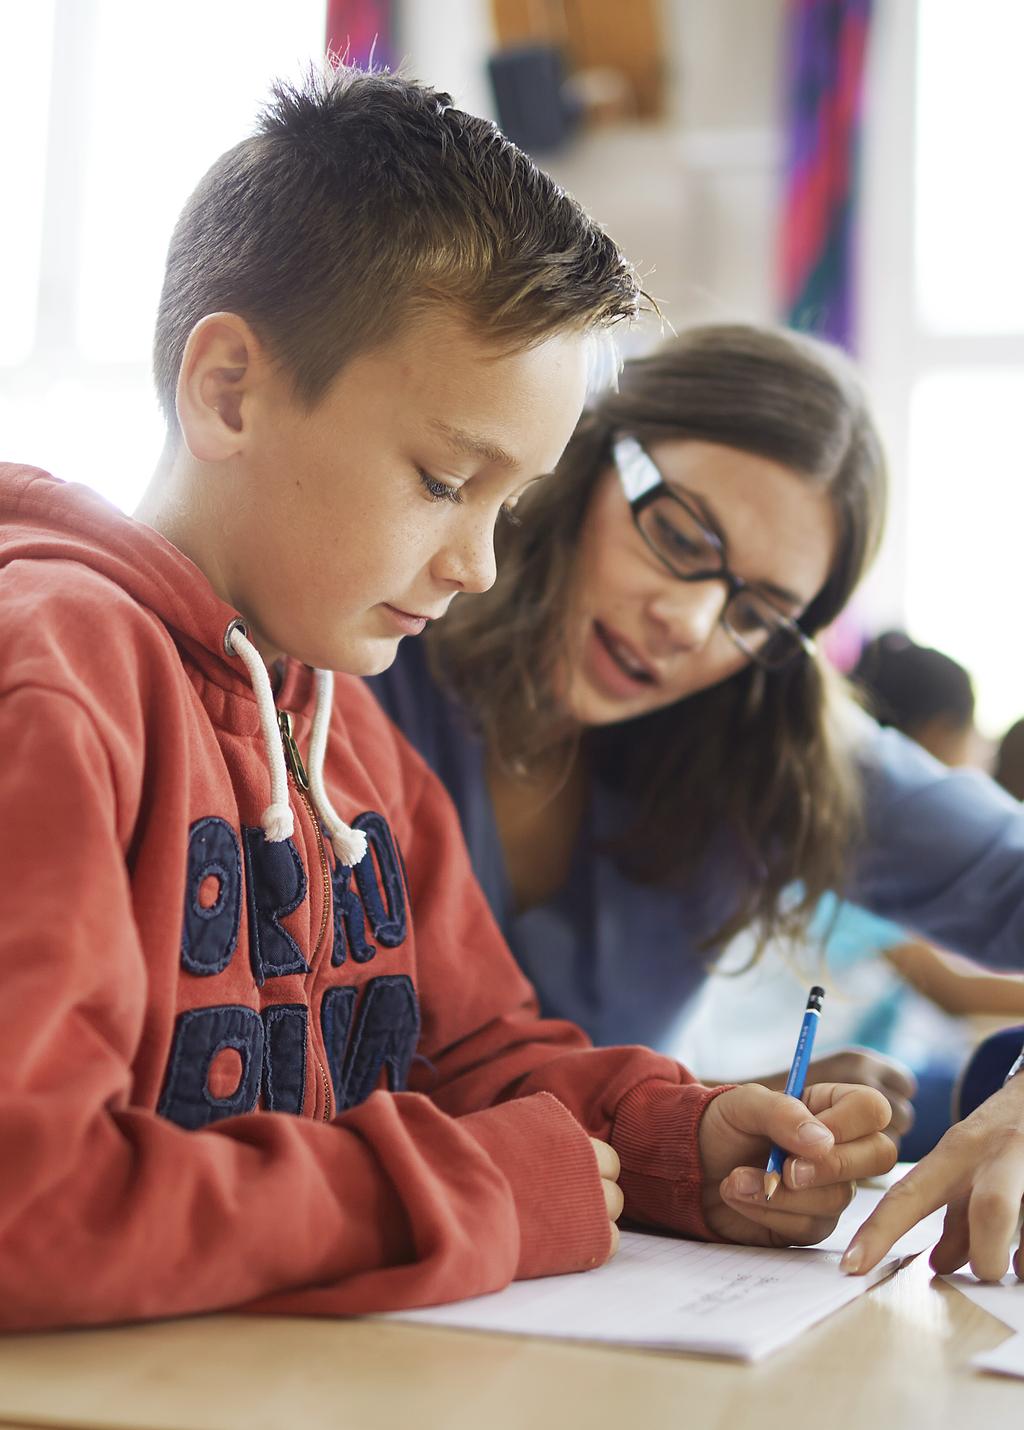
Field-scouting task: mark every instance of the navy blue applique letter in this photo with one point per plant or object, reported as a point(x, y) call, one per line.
point(209, 932)
point(284, 1057)
point(388, 924)
point(387, 1029)
point(276, 884)
point(349, 919)
point(199, 1036)
point(387, 914)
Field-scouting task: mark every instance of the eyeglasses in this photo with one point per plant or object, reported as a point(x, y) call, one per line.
point(677, 535)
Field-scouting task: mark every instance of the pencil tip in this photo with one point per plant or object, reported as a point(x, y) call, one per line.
point(771, 1182)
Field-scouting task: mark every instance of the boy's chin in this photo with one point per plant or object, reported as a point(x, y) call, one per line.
point(371, 657)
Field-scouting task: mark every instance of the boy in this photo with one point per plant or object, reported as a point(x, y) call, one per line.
point(372, 337)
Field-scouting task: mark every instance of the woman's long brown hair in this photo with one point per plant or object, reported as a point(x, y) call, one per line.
point(756, 763)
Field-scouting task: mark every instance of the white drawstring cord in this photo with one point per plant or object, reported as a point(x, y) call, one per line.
point(277, 821)
point(349, 844)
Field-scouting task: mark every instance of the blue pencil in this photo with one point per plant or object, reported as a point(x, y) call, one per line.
point(795, 1081)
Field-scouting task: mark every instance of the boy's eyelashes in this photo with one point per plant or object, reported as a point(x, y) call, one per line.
point(438, 490)
point(447, 491)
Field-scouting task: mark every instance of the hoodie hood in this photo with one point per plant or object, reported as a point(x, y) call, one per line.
point(44, 519)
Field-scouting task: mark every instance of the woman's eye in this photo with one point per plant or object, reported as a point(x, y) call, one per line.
point(673, 538)
point(750, 618)
point(438, 490)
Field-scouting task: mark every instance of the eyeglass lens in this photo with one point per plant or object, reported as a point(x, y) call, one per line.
point(676, 535)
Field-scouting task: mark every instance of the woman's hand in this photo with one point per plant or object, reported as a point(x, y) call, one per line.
point(977, 1172)
point(837, 1134)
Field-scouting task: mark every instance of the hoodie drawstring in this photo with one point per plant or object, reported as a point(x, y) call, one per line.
point(277, 820)
point(349, 844)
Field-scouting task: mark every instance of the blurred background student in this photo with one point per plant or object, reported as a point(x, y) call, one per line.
point(1008, 768)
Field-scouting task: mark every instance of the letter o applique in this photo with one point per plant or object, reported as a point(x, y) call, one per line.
point(199, 1036)
point(209, 932)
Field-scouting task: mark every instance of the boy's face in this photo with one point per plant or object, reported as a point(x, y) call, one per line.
point(354, 521)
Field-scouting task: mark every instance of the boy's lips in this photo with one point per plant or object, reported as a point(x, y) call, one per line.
point(411, 623)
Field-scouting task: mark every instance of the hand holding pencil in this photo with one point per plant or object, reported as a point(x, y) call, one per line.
point(835, 1134)
point(796, 1080)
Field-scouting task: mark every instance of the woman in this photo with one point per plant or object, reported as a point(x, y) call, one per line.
point(645, 751)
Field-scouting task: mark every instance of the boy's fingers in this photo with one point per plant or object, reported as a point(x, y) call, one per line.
point(791, 1220)
point(615, 1241)
point(607, 1159)
point(845, 1162)
point(613, 1199)
point(781, 1119)
point(847, 1110)
point(744, 1190)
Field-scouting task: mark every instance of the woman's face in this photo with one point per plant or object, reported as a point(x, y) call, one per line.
point(641, 638)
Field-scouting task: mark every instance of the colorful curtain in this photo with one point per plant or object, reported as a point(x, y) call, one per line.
point(826, 41)
point(360, 30)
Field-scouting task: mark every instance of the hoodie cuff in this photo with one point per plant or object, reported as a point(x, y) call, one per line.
point(655, 1134)
point(550, 1166)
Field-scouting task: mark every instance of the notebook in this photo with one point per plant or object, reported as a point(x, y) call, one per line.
point(666, 1294)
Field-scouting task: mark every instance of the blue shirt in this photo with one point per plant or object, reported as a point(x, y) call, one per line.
point(944, 856)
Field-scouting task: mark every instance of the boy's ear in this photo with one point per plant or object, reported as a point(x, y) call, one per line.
point(219, 370)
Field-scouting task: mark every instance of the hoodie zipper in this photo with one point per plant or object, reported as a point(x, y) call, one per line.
point(301, 782)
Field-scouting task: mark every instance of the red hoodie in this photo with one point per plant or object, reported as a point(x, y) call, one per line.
point(236, 1072)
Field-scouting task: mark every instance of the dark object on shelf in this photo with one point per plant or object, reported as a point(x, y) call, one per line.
point(534, 108)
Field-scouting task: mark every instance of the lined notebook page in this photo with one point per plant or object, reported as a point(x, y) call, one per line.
point(672, 1295)
point(666, 1294)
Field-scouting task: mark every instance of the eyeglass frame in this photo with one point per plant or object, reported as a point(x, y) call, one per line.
point(642, 483)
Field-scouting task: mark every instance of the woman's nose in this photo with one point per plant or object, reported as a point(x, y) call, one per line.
point(688, 612)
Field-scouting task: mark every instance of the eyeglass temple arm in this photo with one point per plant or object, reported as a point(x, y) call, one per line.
point(636, 470)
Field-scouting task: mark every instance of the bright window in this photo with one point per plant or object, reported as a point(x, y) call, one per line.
point(964, 556)
point(969, 224)
point(117, 111)
point(26, 40)
point(945, 304)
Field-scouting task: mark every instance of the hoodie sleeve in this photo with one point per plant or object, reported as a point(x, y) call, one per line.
point(485, 1043)
point(109, 1212)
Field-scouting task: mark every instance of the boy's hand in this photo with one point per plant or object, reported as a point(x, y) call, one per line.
point(977, 1172)
point(843, 1140)
point(608, 1166)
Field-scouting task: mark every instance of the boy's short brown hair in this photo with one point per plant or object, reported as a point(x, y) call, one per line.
point(361, 198)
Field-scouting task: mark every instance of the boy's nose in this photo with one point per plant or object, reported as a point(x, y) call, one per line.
point(469, 563)
point(689, 612)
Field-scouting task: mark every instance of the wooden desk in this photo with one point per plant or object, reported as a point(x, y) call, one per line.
point(894, 1360)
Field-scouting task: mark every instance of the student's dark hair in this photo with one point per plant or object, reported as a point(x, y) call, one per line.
point(362, 199)
point(907, 686)
point(1009, 765)
point(758, 760)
